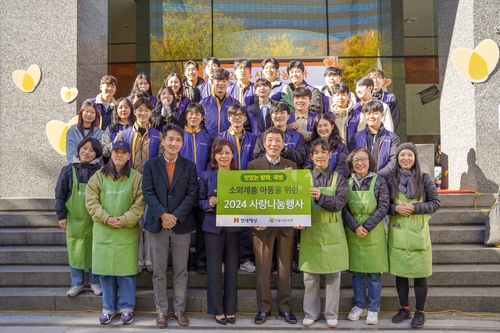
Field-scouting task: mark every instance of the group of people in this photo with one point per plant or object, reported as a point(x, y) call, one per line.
point(142, 175)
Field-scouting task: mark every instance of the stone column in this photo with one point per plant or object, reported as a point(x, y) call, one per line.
point(67, 39)
point(469, 112)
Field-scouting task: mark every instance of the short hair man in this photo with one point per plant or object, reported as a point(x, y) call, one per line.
point(211, 65)
point(265, 239)
point(294, 146)
point(217, 104)
point(302, 120)
point(333, 76)
point(170, 189)
point(262, 106)
point(377, 75)
point(191, 81)
point(105, 102)
point(381, 143)
point(341, 108)
point(296, 73)
point(271, 71)
point(242, 90)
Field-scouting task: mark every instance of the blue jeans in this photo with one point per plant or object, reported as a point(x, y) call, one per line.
point(109, 285)
point(77, 277)
point(374, 290)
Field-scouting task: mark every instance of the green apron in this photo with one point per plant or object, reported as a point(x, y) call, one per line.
point(323, 245)
point(368, 254)
point(116, 251)
point(79, 227)
point(410, 253)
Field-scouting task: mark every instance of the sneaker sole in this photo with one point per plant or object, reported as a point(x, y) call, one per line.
point(332, 326)
point(372, 323)
point(419, 326)
point(307, 324)
point(130, 322)
point(401, 321)
point(73, 295)
point(107, 322)
point(357, 318)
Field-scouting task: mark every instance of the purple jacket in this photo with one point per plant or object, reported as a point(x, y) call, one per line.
point(196, 148)
point(311, 120)
point(216, 114)
point(244, 153)
point(248, 93)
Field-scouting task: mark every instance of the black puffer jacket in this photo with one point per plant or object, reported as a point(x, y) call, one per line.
point(431, 202)
point(383, 199)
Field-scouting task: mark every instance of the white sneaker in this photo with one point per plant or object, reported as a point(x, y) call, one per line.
point(248, 266)
point(306, 322)
point(356, 313)
point(96, 288)
point(332, 323)
point(74, 290)
point(372, 318)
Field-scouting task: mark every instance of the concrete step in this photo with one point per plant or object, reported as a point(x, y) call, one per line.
point(23, 204)
point(28, 219)
point(468, 299)
point(59, 276)
point(33, 255)
point(32, 236)
point(458, 215)
point(465, 254)
point(466, 200)
point(457, 234)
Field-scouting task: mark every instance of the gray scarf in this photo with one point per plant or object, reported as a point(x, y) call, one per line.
point(406, 184)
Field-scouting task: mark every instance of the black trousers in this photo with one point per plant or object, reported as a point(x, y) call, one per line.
point(403, 288)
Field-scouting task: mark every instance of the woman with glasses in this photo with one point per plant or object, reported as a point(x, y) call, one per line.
point(413, 198)
point(363, 215)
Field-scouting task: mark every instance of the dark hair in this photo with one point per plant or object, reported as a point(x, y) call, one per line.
point(364, 81)
point(172, 127)
point(374, 106)
point(334, 140)
point(156, 117)
point(262, 82)
point(350, 157)
point(273, 129)
point(195, 107)
point(96, 146)
point(95, 123)
point(191, 62)
point(302, 92)
point(115, 118)
point(235, 108)
point(376, 71)
point(340, 87)
point(332, 70)
point(136, 84)
point(180, 93)
point(295, 63)
point(145, 101)
point(273, 61)
point(280, 106)
point(243, 62)
point(139, 93)
point(216, 148)
point(212, 59)
point(416, 179)
point(110, 167)
point(109, 79)
point(221, 74)
point(322, 143)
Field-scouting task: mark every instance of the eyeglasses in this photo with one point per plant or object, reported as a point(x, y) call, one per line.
point(370, 112)
point(237, 115)
point(360, 160)
point(376, 78)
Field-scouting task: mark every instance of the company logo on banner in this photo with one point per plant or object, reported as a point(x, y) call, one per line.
point(272, 198)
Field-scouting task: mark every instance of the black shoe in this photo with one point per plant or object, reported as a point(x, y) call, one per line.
point(260, 318)
point(201, 270)
point(401, 316)
point(289, 317)
point(418, 319)
point(295, 267)
point(231, 320)
point(221, 321)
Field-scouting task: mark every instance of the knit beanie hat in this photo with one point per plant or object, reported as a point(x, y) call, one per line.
point(408, 145)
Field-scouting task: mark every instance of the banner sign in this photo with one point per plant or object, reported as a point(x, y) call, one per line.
point(271, 198)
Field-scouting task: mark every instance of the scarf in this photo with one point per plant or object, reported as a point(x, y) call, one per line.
point(359, 181)
point(406, 184)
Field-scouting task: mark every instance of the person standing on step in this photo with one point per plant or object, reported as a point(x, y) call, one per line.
point(170, 186)
point(206, 88)
point(222, 290)
point(105, 102)
point(73, 216)
point(413, 198)
point(363, 215)
point(325, 238)
point(115, 202)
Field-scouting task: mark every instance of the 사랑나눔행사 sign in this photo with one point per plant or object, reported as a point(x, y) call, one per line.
point(271, 198)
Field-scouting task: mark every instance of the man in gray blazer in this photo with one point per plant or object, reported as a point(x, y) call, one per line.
point(170, 189)
point(265, 238)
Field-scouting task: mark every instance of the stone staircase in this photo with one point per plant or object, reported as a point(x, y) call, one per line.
point(34, 272)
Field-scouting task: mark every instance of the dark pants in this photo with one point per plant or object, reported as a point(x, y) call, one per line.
point(222, 292)
point(201, 254)
point(246, 247)
point(403, 288)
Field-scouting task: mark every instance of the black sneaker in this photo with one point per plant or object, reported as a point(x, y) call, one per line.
point(418, 319)
point(401, 316)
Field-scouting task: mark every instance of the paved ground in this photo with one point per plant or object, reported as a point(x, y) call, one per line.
point(44, 322)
